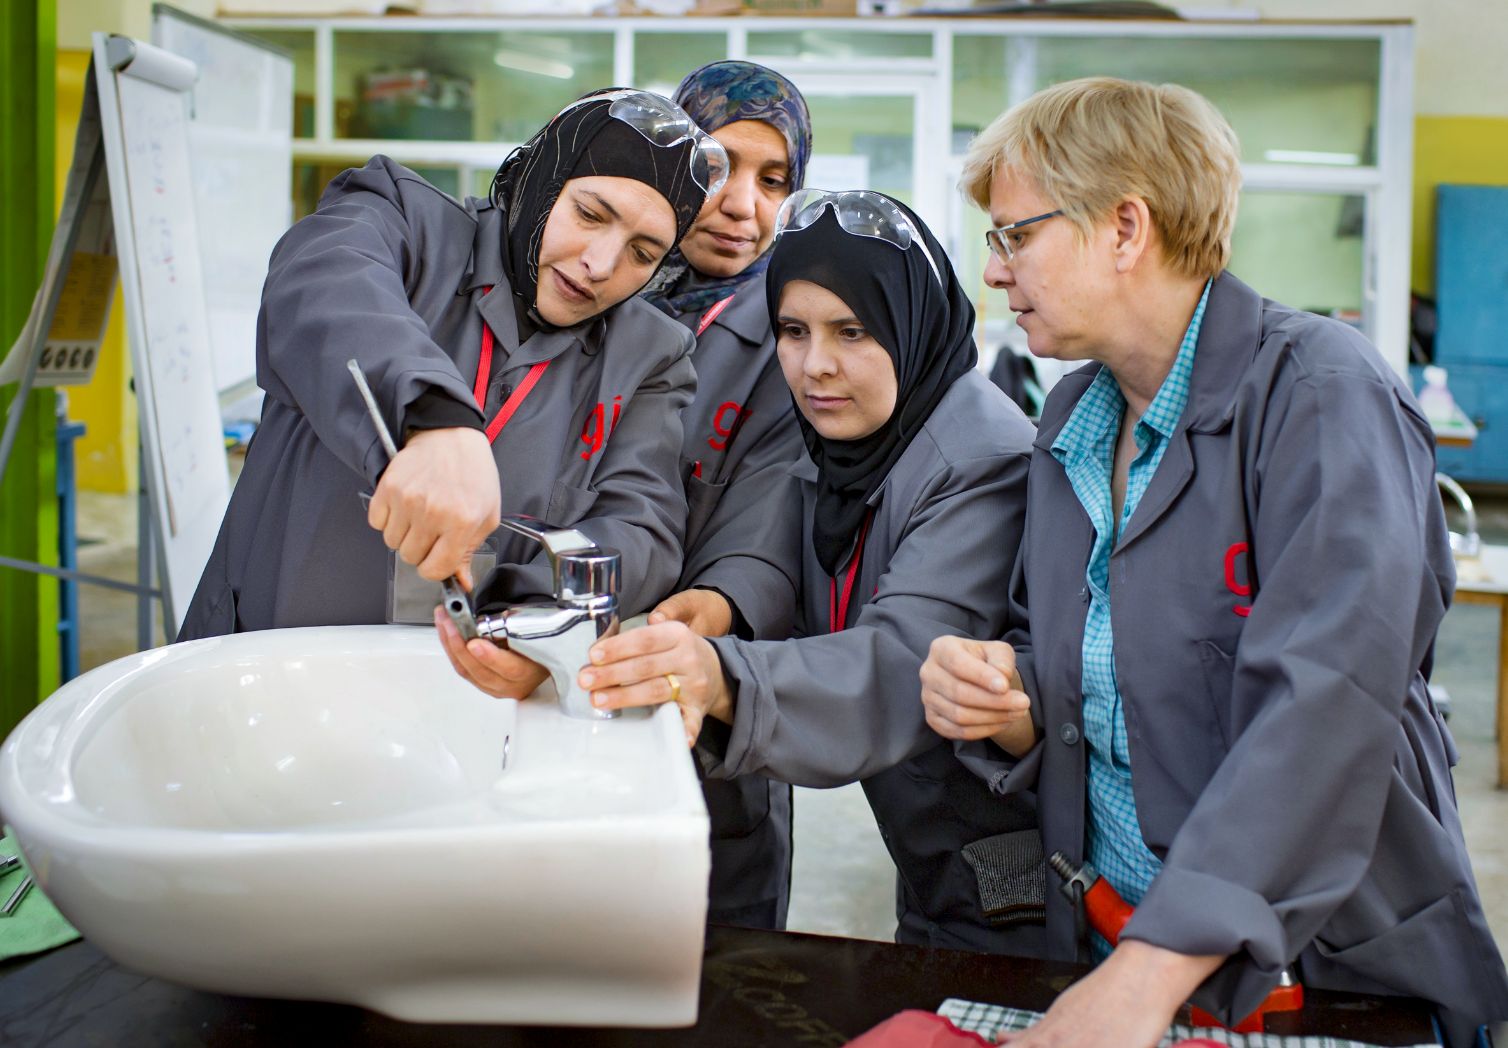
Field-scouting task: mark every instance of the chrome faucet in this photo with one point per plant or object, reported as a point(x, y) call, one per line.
point(557, 635)
point(1464, 544)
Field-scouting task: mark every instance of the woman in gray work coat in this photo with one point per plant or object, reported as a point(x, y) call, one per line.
point(911, 496)
point(511, 321)
point(741, 438)
point(1273, 596)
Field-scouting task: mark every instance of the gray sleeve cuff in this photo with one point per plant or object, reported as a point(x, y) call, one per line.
point(758, 591)
point(1001, 772)
point(750, 731)
point(1196, 914)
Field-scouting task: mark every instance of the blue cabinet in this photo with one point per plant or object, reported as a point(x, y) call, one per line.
point(1471, 275)
point(1471, 290)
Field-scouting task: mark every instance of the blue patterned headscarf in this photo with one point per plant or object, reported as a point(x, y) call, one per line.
point(716, 95)
point(726, 92)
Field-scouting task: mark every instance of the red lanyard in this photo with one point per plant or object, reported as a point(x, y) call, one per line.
point(837, 609)
point(515, 400)
point(713, 313)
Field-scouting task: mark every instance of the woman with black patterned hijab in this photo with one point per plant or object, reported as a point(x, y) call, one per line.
point(510, 359)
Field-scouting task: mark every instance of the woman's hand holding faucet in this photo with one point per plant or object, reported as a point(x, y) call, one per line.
point(665, 662)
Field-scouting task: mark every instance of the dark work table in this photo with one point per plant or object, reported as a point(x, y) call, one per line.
point(758, 989)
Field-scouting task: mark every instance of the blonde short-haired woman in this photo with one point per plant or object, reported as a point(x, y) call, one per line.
point(1234, 564)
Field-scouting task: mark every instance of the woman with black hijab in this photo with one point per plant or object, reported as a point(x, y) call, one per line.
point(511, 361)
point(912, 488)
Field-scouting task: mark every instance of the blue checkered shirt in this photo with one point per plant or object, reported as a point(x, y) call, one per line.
point(1086, 449)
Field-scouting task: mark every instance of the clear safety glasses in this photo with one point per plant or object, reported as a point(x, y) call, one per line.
point(858, 211)
point(1004, 241)
point(666, 124)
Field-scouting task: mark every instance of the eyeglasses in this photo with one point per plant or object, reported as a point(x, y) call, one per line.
point(666, 124)
point(860, 212)
point(999, 238)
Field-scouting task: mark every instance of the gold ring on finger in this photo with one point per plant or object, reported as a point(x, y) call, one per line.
point(675, 687)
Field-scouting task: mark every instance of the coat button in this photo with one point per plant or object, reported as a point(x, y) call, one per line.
point(1069, 733)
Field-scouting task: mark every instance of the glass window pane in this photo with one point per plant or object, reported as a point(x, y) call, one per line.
point(841, 44)
point(968, 261)
point(661, 60)
point(483, 87)
point(1292, 101)
point(1302, 249)
point(300, 44)
point(981, 91)
point(862, 142)
point(310, 177)
point(481, 181)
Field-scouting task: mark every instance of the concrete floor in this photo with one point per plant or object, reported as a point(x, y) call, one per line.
point(843, 881)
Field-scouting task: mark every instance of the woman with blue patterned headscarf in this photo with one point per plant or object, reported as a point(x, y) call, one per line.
point(755, 109)
point(740, 439)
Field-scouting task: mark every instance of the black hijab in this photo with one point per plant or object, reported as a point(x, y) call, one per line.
point(582, 140)
point(927, 327)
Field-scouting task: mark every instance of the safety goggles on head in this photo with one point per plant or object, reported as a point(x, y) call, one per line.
point(999, 238)
point(666, 124)
point(858, 211)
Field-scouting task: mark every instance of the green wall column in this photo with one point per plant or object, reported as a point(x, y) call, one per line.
point(28, 505)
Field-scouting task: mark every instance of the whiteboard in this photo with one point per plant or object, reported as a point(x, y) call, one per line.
point(240, 139)
point(143, 108)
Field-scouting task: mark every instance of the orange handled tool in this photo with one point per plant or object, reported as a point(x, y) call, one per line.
point(1108, 913)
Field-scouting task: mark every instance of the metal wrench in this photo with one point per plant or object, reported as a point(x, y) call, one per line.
point(452, 584)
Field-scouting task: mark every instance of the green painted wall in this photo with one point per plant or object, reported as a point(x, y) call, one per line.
point(28, 509)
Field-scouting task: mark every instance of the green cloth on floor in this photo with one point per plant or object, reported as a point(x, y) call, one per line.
point(36, 924)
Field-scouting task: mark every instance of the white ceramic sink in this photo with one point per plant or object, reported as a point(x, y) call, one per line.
point(326, 814)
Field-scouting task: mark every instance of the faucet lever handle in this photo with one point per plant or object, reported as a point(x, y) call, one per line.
point(556, 541)
point(582, 570)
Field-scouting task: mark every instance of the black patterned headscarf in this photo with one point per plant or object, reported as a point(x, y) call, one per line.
point(924, 320)
point(715, 96)
point(583, 139)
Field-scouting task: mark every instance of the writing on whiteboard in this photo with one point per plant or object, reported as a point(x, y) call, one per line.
point(180, 382)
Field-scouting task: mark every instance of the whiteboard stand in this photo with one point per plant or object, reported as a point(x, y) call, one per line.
point(133, 131)
point(143, 104)
point(82, 249)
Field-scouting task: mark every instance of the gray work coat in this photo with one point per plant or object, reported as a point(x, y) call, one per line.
point(394, 273)
point(1275, 598)
point(741, 440)
point(830, 708)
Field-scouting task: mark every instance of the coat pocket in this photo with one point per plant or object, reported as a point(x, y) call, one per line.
point(1011, 875)
point(701, 500)
point(737, 807)
point(569, 504)
point(1219, 679)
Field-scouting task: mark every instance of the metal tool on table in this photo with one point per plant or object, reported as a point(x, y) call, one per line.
point(1108, 913)
point(557, 634)
point(7, 864)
